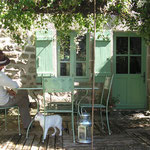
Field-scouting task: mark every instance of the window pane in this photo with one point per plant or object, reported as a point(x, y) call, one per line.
point(135, 45)
point(81, 48)
point(80, 69)
point(135, 65)
point(65, 48)
point(122, 64)
point(122, 45)
point(64, 69)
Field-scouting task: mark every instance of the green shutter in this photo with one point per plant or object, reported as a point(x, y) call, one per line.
point(73, 34)
point(44, 53)
point(102, 55)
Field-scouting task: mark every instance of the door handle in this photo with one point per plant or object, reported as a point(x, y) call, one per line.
point(38, 62)
point(144, 77)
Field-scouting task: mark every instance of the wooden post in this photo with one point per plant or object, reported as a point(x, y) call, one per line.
point(93, 79)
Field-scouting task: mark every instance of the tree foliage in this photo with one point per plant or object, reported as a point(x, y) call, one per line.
point(17, 16)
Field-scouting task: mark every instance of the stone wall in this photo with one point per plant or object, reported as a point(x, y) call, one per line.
point(22, 65)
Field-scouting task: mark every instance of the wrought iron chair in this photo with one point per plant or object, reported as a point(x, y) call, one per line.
point(59, 84)
point(5, 116)
point(104, 101)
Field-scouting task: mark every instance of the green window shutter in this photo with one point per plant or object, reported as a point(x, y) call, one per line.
point(102, 55)
point(45, 53)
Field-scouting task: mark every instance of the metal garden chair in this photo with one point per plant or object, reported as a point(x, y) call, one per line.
point(104, 101)
point(59, 84)
point(7, 108)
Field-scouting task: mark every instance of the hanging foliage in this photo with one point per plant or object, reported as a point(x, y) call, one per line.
point(18, 16)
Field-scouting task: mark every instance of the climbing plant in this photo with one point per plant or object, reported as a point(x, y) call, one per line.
point(18, 16)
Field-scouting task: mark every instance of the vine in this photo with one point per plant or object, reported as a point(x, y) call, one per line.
point(18, 16)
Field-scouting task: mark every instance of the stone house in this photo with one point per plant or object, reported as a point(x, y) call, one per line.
point(125, 54)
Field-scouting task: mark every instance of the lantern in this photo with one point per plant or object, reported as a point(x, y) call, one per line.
point(84, 129)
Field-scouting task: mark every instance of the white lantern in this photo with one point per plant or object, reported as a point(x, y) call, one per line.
point(84, 129)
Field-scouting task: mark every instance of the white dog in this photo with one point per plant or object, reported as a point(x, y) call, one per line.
point(50, 121)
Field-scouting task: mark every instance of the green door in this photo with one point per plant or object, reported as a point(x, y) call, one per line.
point(130, 69)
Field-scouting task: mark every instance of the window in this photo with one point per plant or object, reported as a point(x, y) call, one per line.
point(81, 56)
point(73, 56)
point(64, 56)
point(128, 55)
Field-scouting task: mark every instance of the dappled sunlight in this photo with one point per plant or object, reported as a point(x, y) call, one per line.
point(122, 125)
point(133, 119)
point(140, 116)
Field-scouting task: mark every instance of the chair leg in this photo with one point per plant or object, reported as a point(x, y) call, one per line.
point(72, 118)
point(27, 133)
point(5, 119)
point(107, 119)
point(101, 115)
point(19, 122)
point(73, 132)
point(44, 129)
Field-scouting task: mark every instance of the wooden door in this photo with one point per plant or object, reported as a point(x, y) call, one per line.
point(130, 69)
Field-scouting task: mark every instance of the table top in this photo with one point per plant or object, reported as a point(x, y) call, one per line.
point(75, 87)
point(30, 88)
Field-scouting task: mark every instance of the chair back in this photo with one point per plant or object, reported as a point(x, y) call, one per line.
point(58, 84)
point(107, 89)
